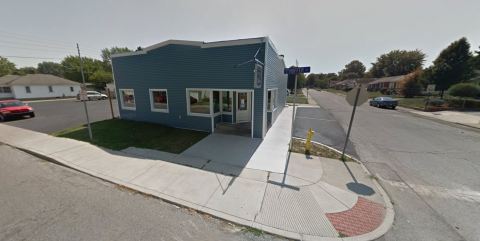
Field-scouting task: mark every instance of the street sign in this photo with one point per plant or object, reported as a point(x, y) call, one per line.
point(362, 96)
point(296, 70)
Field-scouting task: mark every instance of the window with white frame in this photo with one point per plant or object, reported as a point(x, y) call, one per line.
point(271, 99)
point(227, 101)
point(127, 99)
point(199, 102)
point(71, 89)
point(50, 89)
point(159, 100)
point(27, 89)
point(5, 89)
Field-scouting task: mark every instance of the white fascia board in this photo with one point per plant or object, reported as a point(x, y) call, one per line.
point(234, 42)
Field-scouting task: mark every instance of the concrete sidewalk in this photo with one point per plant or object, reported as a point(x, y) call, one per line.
point(466, 118)
point(317, 199)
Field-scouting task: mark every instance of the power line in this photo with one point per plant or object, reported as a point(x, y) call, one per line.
point(36, 39)
point(27, 57)
point(33, 44)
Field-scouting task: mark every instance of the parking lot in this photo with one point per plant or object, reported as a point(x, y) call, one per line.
point(56, 115)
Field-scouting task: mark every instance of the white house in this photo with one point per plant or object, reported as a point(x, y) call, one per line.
point(37, 86)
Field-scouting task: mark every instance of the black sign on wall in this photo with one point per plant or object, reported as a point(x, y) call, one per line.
point(258, 76)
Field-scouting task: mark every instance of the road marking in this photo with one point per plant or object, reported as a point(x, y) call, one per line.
point(459, 194)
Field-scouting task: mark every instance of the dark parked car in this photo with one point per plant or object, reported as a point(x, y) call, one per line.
point(384, 102)
point(14, 108)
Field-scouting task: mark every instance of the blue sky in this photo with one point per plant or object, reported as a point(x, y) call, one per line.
point(322, 34)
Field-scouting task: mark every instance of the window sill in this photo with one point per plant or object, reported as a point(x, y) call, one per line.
point(129, 108)
point(199, 114)
point(160, 110)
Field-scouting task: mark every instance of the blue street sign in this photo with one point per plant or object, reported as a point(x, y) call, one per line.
point(296, 70)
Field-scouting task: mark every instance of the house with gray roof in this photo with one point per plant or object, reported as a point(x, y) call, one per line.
point(37, 86)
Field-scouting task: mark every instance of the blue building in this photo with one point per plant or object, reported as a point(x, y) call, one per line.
point(207, 86)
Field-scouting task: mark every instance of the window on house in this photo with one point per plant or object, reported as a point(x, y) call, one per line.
point(127, 99)
point(159, 100)
point(5, 90)
point(199, 101)
point(71, 89)
point(227, 101)
point(216, 101)
point(27, 89)
point(271, 99)
point(50, 89)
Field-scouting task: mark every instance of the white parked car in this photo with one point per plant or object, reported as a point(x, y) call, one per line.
point(94, 95)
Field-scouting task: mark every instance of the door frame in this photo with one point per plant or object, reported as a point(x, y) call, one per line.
point(212, 114)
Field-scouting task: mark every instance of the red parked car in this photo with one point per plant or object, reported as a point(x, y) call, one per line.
point(14, 108)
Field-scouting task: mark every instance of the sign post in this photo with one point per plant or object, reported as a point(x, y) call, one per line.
point(355, 97)
point(85, 95)
point(295, 71)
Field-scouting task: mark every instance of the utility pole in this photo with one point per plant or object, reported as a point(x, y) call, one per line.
point(351, 122)
point(84, 100)
point(294, 103)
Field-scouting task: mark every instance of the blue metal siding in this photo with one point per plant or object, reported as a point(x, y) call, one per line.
point(275, 78)
point(178, 67)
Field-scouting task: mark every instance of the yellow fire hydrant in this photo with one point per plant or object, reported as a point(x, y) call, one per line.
point(308, 143)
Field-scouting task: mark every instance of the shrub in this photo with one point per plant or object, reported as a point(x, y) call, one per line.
point(412, 86)
point(464, 90)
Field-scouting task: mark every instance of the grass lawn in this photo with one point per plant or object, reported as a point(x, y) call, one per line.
point(119, 134)
point(335, 91)
point(414, 103)
point(301, 99)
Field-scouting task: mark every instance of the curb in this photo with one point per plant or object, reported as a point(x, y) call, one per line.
point(449, 123)
point(390, 211)
point(378, 232)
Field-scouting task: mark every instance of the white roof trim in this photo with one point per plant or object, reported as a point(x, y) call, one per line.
point(197, 43)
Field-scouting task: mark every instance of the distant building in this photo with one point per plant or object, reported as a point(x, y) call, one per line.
point(387, 83)
point(37, 86)
point(350, 83)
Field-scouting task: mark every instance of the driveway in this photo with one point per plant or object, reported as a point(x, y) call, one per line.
point(56, 115)
point(327, 129)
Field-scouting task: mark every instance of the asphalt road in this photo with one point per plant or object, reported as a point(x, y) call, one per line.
point(44, 201)
point(430, 170)
point(56, 115)
point(327, 129)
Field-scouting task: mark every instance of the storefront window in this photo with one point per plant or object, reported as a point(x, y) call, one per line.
point(227, 101)
point(159, 100)
point(216, 101)
point(128, 98)
point(199, 101)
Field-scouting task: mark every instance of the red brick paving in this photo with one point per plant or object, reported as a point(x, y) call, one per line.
point(364, 217)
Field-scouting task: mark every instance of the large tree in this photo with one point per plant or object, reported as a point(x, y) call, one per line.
point(397, 62)
point(354, 69)
point(25, 71)
point(108, 52)
point(50, 68)
point(6, 67)
point(71, 67)
point(452, 65)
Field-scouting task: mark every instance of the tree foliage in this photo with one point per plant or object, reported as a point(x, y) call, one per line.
point(108, 52)
point(452, 65)
point(412, 86)
point(464, 90)
point(6, 67)
point(71, 67)
point(25, 71)
point(50, 68)
point(397, 62)
point(354, 69)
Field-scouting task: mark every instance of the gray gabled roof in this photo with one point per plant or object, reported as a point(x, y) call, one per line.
point(35, 79)
point(390, 79)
